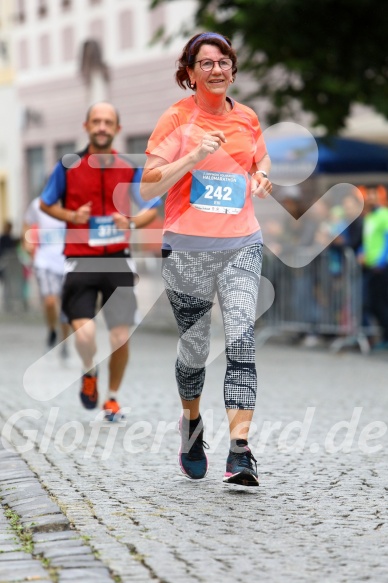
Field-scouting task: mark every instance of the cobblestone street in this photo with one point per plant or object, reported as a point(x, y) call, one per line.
point(83, 500)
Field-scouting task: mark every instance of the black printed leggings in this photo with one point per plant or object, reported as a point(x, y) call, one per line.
point(192, 279)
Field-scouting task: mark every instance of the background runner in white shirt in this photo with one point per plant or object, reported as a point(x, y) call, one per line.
point(48, 263)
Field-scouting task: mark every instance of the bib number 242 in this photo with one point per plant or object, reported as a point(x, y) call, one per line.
point(219, 192)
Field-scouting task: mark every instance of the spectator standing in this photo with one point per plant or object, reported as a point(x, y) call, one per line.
point(13, 272)
point(7, 241)
point(352, 235)
point(374, 258)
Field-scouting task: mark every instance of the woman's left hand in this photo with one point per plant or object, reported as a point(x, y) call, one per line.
point(260, 186)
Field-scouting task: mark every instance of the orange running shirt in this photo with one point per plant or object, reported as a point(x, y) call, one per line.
point(214, 199)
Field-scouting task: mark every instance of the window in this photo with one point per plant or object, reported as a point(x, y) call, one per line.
point(126, 29)
point(35, 171)
point(20, 14)
point(23, 56)
point(68, 44)
point(97, 31)
point(157, 20)
point(64, 148)
point(44, 50)
point(135, 148)
point(4, 55)
point(42, 8)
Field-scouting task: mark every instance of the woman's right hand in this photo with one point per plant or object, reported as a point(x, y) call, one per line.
point(210, 142)
point(160, 175)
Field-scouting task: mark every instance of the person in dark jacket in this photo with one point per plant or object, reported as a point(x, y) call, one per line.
point(7, 243)
point(90, 192)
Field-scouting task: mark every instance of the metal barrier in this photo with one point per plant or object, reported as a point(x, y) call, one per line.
point(324, 298)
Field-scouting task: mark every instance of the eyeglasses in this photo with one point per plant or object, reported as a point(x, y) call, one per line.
point(208, 64)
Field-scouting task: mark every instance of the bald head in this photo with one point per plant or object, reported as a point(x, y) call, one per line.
point(105, 105)
point(102, 125)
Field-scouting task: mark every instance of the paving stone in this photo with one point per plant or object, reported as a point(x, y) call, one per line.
point(26, 501)
point(14, 470)
point(7, 547)
point(23, 496)
point(49, 523)
point(317, 516)
point(57, 545)
point(21, 577)
point(37, 510)
point(64, 552)
point(20, 487)
point(13, 556)
point(6, 537)
point(22, 570)
point(92, 575)
point(76, 562)
point(13, 477)
point(46, 537)
point(4, 454)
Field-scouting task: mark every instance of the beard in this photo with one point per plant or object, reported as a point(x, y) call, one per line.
point(101, 141)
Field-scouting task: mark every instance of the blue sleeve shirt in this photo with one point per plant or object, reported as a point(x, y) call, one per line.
point(56, 185)
point(55, 189)
point(135, 188)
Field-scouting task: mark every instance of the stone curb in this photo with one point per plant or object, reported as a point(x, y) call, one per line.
point(46, 546)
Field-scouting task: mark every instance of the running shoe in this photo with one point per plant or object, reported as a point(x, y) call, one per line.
point(52, 339)
point(89, 391)
point(112, 410)
point(192, 458)
point(64, 353)
point(239, 468)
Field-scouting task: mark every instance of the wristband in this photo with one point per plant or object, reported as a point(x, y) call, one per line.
point(132, 225)
point(261, 172)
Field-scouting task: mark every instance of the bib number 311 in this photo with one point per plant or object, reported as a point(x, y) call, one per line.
point(103, 231)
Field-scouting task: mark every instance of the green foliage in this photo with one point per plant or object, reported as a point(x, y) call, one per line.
point(23, 534)
point(325, 54)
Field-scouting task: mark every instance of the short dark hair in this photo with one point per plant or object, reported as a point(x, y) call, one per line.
point(191, 50)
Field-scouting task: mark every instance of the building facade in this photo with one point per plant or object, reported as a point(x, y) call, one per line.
point(72, 53)
point(59, 56)
point(10, 160)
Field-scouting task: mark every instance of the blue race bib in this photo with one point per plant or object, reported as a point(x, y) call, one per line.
point(103, 231)
point(217, 192)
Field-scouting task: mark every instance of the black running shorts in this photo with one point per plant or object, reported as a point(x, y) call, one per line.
point(107, 281)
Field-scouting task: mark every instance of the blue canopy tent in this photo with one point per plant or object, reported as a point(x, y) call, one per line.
point(336, 155)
